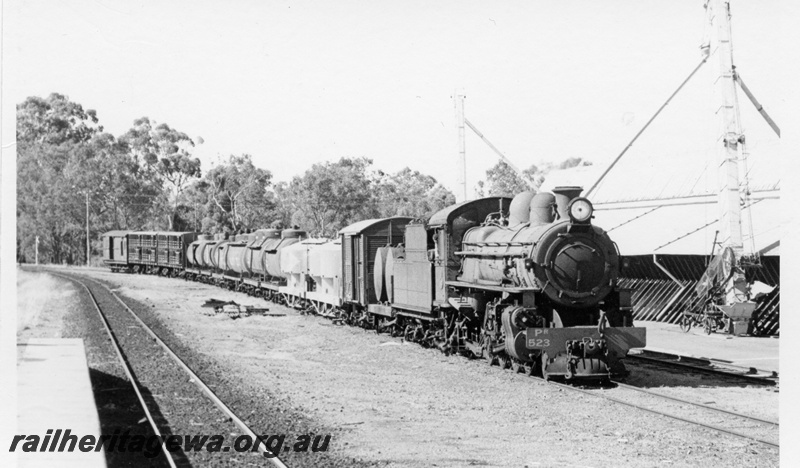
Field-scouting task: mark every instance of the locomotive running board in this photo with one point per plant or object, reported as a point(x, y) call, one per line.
point(488, 287)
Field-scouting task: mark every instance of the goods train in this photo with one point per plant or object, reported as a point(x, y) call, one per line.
point(527, 283)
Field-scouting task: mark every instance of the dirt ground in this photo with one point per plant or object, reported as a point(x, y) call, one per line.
point(402, 405)
point(40, 305)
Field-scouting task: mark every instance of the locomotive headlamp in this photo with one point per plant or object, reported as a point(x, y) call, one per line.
point(580, 210)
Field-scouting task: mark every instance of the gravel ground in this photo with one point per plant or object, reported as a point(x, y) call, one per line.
point(395, 404)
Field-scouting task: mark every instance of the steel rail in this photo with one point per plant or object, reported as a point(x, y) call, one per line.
point(125, 366)
point(706, 370)
point(272, 457)
point(668, 415)
point(699, 405)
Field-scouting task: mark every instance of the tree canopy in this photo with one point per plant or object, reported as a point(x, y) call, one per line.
point(331, 195)
point(54, 120)
point(411, 193)
point(236, 196)
point(166, 152)
point(64, 159)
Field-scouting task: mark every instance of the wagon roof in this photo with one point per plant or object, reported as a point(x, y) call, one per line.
point(115, 233)
point(361, 226)
point(175, 233)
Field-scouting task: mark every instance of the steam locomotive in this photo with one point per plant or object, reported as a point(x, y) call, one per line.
point(527, 283)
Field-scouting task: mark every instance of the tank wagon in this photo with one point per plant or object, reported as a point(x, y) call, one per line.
point(245, 262)
point(527, 283)
point(313, 275)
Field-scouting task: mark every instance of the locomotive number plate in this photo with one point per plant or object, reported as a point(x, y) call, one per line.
point(538, 338)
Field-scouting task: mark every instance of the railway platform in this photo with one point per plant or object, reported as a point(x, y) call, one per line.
point(54, 392)
point(741, 351)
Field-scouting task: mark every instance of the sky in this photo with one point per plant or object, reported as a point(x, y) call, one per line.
point(294, 83)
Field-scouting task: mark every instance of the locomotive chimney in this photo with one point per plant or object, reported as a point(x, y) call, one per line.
point(564, 195)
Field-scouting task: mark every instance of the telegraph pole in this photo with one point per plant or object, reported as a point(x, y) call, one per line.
point(36, 250)
point(462, 152)
point(87, 228)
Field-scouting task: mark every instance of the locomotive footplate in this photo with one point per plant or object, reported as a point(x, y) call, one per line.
point(583, 352)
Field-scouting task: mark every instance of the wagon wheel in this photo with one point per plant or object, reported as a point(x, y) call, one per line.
point(686, 323)
point(708, 325)
point(407, 333)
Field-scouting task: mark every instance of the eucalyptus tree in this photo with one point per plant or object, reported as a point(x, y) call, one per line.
point(166, 152)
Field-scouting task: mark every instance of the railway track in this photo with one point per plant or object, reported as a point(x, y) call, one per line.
point(716, 419)
point(706, 366)
point(119, 328)
point(719, 420)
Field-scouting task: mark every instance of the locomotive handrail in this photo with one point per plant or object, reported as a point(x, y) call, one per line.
point(471, 253)
point(498, 244)
point(489, 287)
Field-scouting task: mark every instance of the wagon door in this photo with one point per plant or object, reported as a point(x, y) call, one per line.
point(347, 245)
point(108, 249)
point(123, 249)
point(358, 263)
point(441, 266)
